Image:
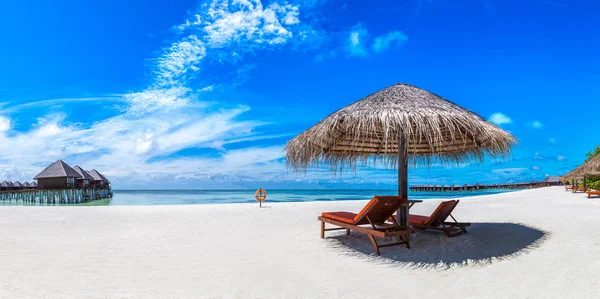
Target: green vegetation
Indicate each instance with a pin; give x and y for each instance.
(593, 153)
(593, 181)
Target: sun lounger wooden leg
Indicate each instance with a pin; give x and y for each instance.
(322, 229)
(347, 232)
(374, 242)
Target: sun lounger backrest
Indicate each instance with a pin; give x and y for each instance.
(379, 209)
(442, 212)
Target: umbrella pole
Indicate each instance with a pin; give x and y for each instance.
(584, 181)
(403, 177)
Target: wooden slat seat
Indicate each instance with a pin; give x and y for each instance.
(345, 217)
(437, 220)
(371, 220)
(418, 219)
(592, 193)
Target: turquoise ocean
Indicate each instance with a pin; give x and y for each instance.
(189, 197)
(192, 197)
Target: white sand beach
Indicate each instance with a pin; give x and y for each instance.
(541, 243)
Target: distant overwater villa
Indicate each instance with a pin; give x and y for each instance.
(58, 183)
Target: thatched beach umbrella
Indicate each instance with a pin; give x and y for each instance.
(591, 167)
(393, 124)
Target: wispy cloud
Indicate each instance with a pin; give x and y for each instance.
(536, 125)
(356, 41)
(499, 119)
(6, 108)
(4, 124)
(168, 116)
(384, 42)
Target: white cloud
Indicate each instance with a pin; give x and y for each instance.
(560, 158)
(168, 116)
(384, 42)
(4, 124)
(534, 167)
(538, 156)
(181, 58)
(248, 21)
(355, 43)
(552, 140)
(537, 125)
(499, 119)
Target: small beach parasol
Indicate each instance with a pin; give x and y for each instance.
(393, 125)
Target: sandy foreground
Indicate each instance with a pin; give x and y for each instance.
(542, 243)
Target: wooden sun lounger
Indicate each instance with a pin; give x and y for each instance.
(577, 189)
(371, 220)
(437, 220)
(567, 188)
(592, 193)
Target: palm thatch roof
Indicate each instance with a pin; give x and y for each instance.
(97, 176)
(591, 167)
(18, 184)
(370, 128)
(27, 184)
(6, 184)
(58, 169)
(84, 175)
(551, 179)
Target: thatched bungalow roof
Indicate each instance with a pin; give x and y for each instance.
(6, 184)
(18, 184)
(97, 176)
(551, 179)
(83, 173)
(58, 169)
(591, 167)
(27, 184)
(34, 184)
(434, 127)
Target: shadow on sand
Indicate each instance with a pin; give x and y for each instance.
(484, 244)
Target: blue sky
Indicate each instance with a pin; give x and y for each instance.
(205, 94)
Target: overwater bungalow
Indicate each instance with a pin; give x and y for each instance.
(27, 185)
(85, 179)
(7, 185)
(18, 186)
(98, 179)
(57, 175)
(551, 181)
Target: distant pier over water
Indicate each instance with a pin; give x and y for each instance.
(549, 181)
(58, 183)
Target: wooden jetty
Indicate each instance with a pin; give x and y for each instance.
(58, 183)
(550, 181)
(54, 196)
